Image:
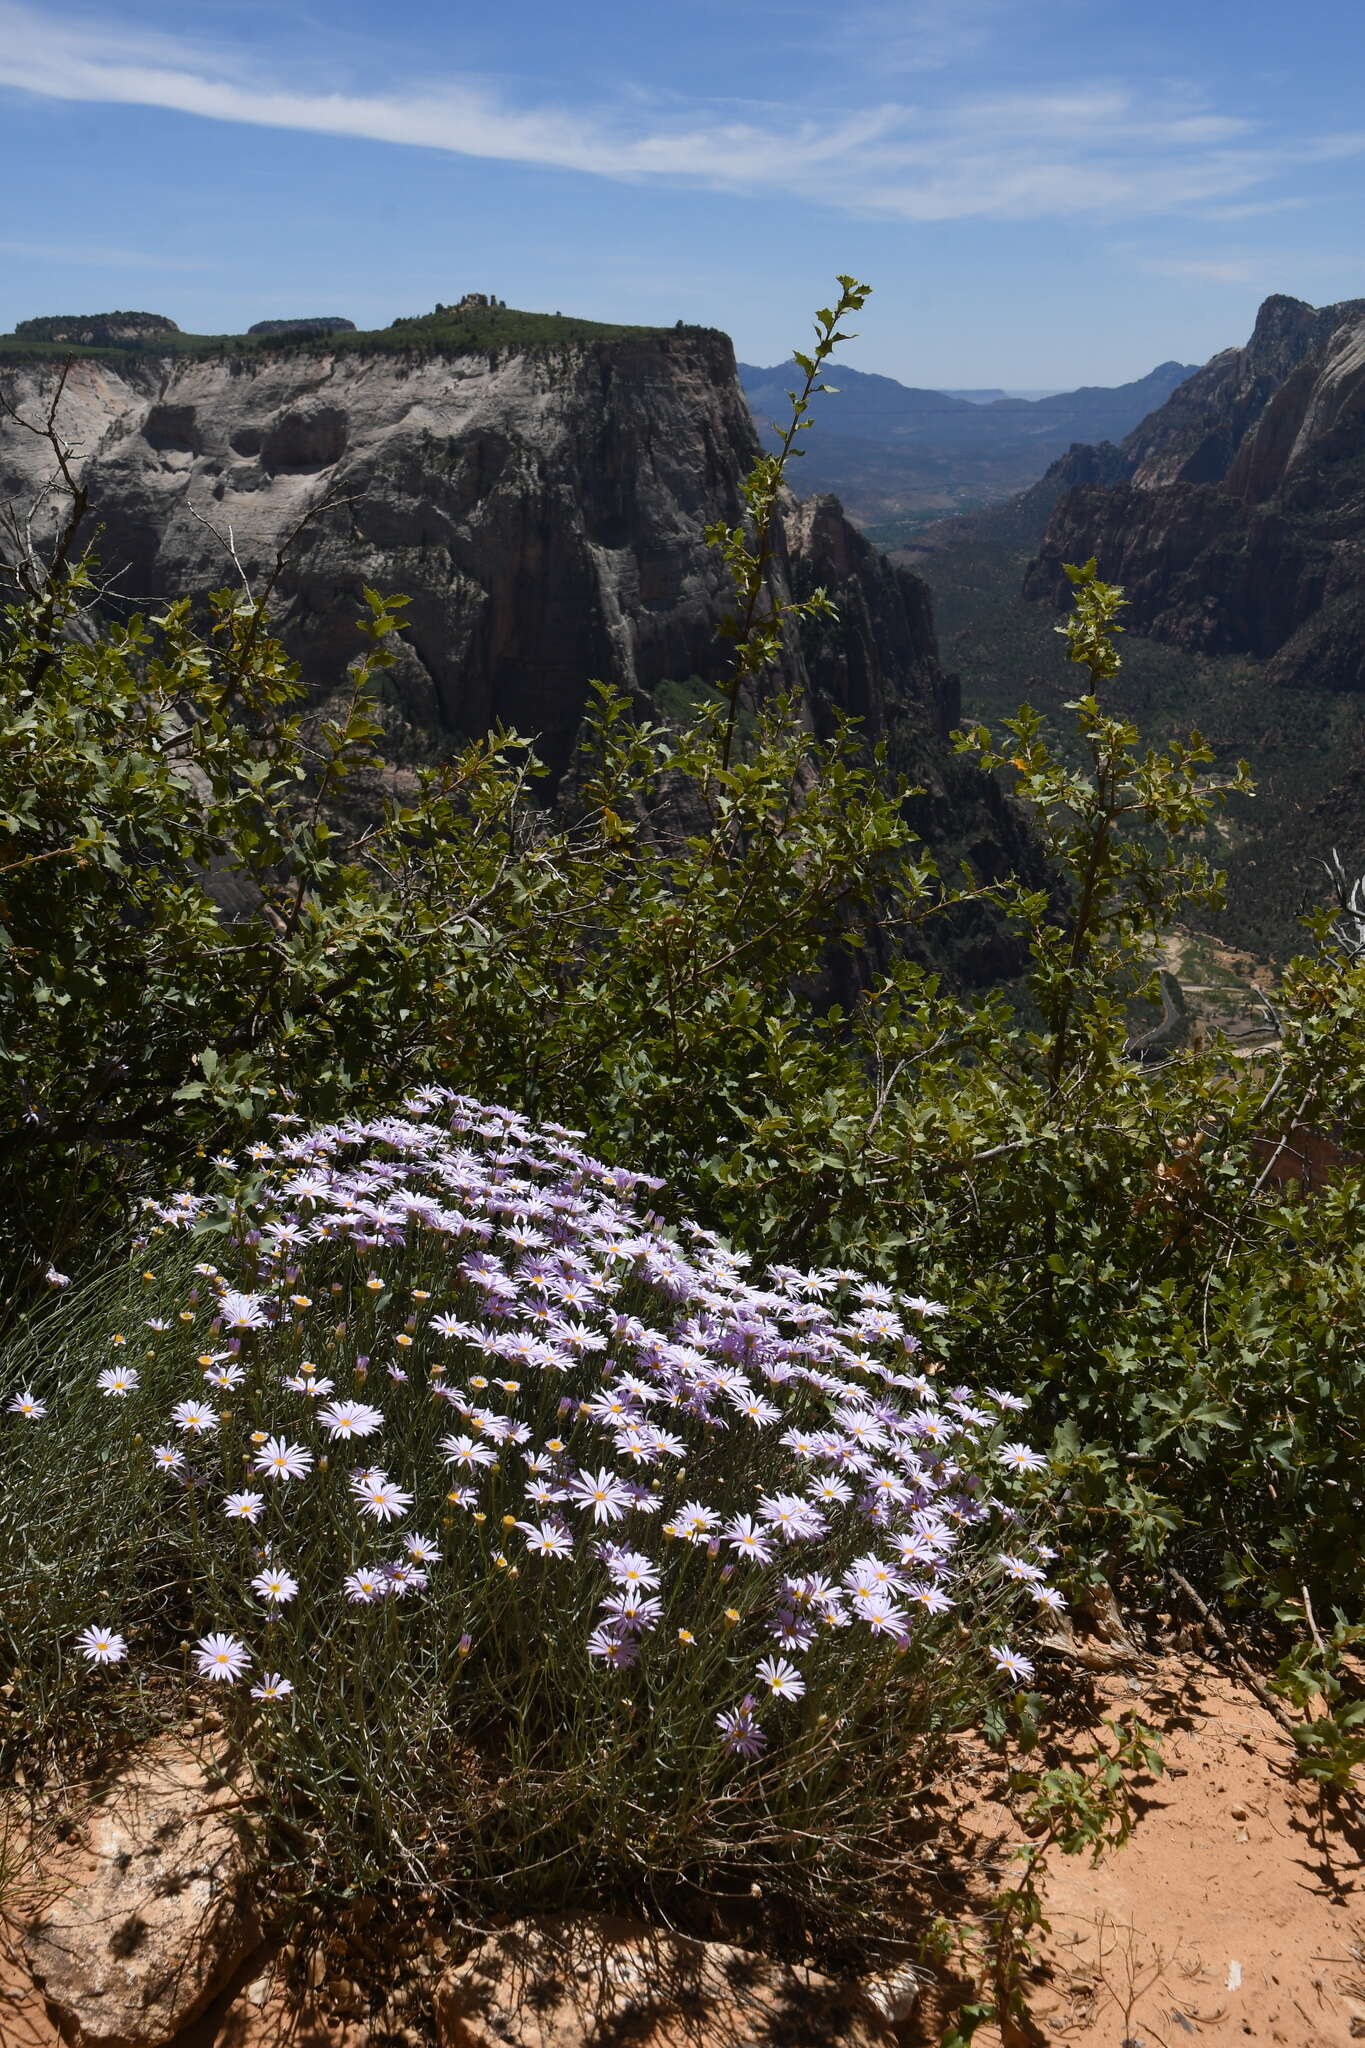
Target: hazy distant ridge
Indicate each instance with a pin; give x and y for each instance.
(897, 451)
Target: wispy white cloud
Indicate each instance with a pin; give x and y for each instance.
(905, 36)
(1095, 150)
(96, 63)
(1330, 149)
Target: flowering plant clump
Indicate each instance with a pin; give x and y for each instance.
(465, 1451)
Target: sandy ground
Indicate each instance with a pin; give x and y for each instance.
(1235, 1913)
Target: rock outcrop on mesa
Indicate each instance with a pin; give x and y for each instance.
(1234, 515)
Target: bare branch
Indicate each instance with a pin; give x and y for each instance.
(64, 455)
(226, 540)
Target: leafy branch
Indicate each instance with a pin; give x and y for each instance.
(747, 549)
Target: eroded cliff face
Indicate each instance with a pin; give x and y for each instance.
(1234, 515)
(542, 511)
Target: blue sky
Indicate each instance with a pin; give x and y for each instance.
(1041, 196)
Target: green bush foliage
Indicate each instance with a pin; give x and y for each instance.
(612, 964)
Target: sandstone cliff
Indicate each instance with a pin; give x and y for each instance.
(1234, 515)
(542, 509)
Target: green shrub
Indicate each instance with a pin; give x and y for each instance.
(607, 958)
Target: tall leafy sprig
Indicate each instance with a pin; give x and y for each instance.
(1124, 828)
(747, 549)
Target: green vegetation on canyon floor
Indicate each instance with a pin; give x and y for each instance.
(1301, 744)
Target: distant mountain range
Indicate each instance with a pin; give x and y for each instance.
(990, 393)
(898, 456)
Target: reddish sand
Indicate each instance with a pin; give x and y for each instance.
(1235, 1913)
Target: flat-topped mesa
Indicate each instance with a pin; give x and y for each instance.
(323, 323)
(479, 322)
(1234, 515)
(95, 330)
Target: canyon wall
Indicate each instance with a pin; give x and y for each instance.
(542, 510)
(1234, 515)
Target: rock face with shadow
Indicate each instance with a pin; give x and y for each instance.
(543, 511)
(595, 1982)
(1234, 515)
(130, 1923)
